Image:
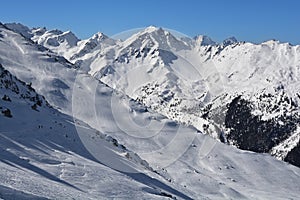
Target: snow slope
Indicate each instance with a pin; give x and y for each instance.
(43, 155)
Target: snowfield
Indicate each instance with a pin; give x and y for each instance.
(110, 119)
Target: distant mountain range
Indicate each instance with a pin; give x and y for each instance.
(241, 93)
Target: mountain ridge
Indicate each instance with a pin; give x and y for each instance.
(162, 54)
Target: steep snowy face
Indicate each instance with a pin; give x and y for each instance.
(86, 48)
(55, 40)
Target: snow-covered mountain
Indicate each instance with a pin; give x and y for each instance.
(199, 82)
(115, 146)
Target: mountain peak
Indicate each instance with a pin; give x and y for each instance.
(56, 37)
(39, 30)
(155, 30)
(155, 36)
(204, 40)
(151, 28)
(229, 41)
(99, 36)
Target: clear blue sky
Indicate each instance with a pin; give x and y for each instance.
(251, 20)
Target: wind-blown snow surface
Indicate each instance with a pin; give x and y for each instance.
(81, 162)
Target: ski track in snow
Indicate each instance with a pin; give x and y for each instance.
(15, 43)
